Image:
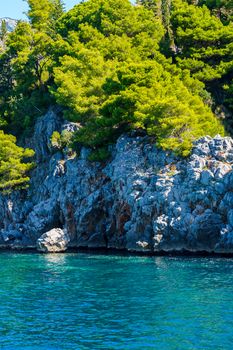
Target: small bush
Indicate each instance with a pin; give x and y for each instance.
(61, 141)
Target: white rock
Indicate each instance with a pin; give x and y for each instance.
(53, 241)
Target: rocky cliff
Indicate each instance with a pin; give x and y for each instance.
(142, 199)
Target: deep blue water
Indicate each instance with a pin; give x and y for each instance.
(81, 301)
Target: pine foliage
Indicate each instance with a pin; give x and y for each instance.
(161, 66)
(13, 168)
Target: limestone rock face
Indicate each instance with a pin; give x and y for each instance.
(54, 241)
(142, 199)
(44, 128)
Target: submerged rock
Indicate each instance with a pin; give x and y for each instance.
(142, 199)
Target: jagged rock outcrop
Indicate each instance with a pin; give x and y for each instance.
(142, 199)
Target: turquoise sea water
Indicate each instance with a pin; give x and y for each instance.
(81, 301)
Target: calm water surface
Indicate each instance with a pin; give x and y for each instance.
(81, 301)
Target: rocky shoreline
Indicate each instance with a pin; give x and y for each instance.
(117, 252)
(142, 200)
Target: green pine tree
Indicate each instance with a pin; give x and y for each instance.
(3, 30)
(44, 13)
(13, 169)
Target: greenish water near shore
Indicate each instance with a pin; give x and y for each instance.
(83, 301)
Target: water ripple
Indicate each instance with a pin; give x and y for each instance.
(81, 302)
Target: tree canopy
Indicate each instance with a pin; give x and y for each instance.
(113, 78)
(162, 66)
(13, 169)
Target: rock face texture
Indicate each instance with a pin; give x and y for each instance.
(142, 199)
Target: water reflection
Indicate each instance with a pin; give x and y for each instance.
(55, 259)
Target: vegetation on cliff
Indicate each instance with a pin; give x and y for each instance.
(162, 66)
(13, 169)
